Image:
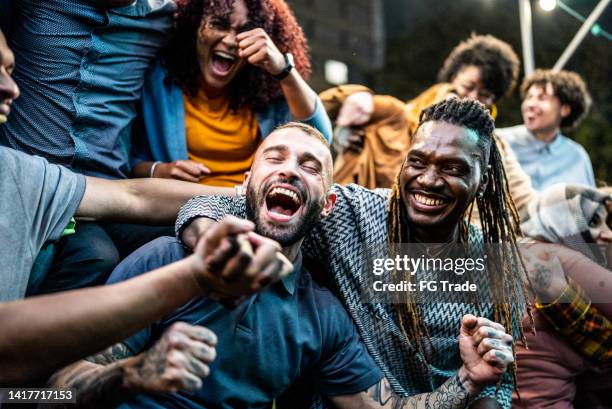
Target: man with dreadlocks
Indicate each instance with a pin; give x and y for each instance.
(452, 161)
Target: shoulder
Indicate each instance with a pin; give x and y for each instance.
(574, 146)
(513, 134)
(357, 192)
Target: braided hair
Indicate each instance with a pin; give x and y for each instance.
(499, 218)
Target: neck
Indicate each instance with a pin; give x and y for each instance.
(292, 251)
(436, 235)
(546, 136)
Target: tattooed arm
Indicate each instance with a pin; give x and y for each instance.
(486, 351)
(454, 393)
(176, 362)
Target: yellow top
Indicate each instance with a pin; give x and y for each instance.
(222, 140)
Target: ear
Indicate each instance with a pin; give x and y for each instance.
(245, 180)
(330, 202)
(565, 110)
(484, 181)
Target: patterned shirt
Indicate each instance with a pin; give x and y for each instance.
(341, 241)
(581, 324)
(80, 69)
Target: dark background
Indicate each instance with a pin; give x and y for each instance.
(418, 35)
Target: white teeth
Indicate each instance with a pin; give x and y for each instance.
(427, 200)
(225, 55)
(286, 192)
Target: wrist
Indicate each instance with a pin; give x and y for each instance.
(466, 381)
(130, 375)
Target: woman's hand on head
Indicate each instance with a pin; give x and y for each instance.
(258, 49)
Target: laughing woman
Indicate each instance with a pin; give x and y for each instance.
(233, 70)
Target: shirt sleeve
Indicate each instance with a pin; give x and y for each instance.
(49, 194)
(211, 207)
(581, 324)
(346, 366)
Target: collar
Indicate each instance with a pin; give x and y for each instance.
(289, 282)
(553, 144)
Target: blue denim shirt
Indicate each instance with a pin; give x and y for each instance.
(559, 161)
(80, 69)
(161, 132)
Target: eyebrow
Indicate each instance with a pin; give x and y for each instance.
(310, 157)
(455, 160)
(276, 148)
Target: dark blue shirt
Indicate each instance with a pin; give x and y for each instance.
(80, 69)
(293, 328)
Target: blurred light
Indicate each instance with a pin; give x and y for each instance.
(336, 72)
(596, 30)
(548, 5)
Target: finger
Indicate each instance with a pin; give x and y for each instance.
(197, 332)
(498, 358)
(202, 352)
(488, 344)
(237, 265)
(259, 57)
(179, 174)
(256, 32)
(258, 240)
(182, 379)
(217, 261)
(264, 256)
(269, 275)
(468, 323)
(193, 168)
(249, 41)
(489, 332)
(229, 225)
(482, 321)
(205, 170)
(197, 367)
(252, 48)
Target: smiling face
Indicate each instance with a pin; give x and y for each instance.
(468, 84)
(441, 176)
(600, 224)
(287, 188)
(217, 48)
(542, 111)
(8, 89)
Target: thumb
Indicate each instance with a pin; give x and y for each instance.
(468, 323)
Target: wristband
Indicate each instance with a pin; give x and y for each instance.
(153, 168)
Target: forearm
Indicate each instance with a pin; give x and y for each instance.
(299, 96)
(95, 385)
(79, 323)
(455, 393)
(148, 201)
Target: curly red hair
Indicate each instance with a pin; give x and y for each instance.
(252, 87)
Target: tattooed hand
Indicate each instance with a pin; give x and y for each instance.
(178, 361)
(232, 262)
(486, 352)
(544, 270)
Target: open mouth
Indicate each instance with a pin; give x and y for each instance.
(428, 202)
(222, 62)
(283, 203)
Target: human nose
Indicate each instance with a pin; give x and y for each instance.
(605, 234)
(429, 178)
(8, 88)
(229, 40)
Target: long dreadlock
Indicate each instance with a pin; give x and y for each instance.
(499, 219)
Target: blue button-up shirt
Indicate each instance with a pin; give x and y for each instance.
(80, 69)
(292, 328)
(559, 161)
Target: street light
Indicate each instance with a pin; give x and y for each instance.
(548, 5)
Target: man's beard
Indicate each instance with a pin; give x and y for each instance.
(285, 235)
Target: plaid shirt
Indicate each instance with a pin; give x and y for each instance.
(573, 316)
(339, 242)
